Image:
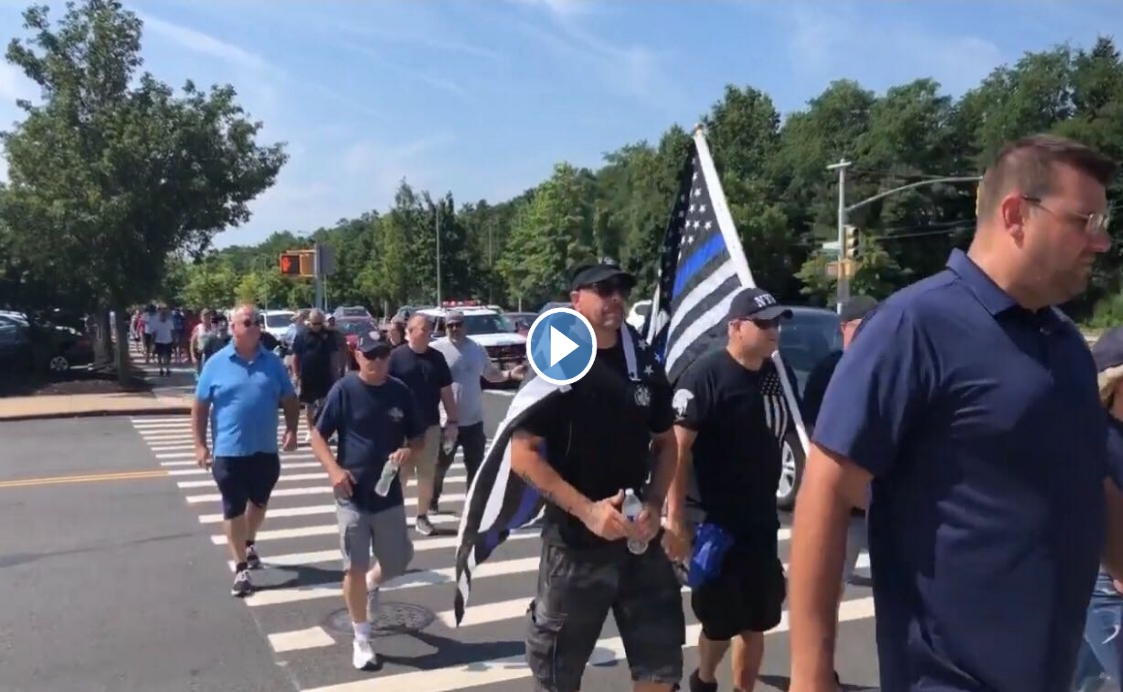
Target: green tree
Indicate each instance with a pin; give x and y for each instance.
(113, 171)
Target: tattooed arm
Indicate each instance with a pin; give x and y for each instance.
(602, 518)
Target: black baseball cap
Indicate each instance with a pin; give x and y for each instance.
(857, 308)
(756, 304)
(585, 275)
(372, 345)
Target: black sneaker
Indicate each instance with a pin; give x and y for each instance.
(423, 526)
(242, 585)
(696, 684)
(253, 561)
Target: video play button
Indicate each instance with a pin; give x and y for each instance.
(561, 346)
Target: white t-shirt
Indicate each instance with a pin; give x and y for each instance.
(161, 329)
(467, 363)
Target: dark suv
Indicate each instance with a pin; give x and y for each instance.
(807, 338)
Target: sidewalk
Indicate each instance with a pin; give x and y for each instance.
(87, 405)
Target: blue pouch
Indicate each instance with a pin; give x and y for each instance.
(711, 542)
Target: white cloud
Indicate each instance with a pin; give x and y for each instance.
(837, 41)
(205, 44)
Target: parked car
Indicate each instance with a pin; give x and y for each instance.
(277, 322)
(346, 311)
(28, 344)
(351, 328)
(806, 339)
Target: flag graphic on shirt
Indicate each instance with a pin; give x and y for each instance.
(702, 267)
(777, 414)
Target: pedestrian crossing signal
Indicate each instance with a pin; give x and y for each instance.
(290, 264)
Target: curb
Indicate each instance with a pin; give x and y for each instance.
(59, 415)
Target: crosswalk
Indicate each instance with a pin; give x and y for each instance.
(298, 602)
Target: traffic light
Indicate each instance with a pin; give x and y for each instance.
(851, 239)
(307, 264)
(290, 264)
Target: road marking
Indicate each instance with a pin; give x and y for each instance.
(493, 672)
(198, 471)
(285, 456)
(321, 530)
(177, 463)
(292, 477)
(286, 492)
(319, 556)
(487, 613)
(310, 511)
(84, 478)
(311, 638)
(412, 580)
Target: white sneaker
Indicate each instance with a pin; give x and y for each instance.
(362, 655)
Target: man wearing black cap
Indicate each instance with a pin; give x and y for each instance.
(850, 317)
(731, 416)
(376, 420)
(581, 450)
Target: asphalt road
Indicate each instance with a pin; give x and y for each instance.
(123, 584)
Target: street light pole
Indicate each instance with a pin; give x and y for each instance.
(843, 283)
(437, 213)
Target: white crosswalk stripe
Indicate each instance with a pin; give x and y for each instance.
(298, 598)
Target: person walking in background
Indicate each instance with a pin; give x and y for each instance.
(163, 339)
(396, 332)
(425, 371)
(198, 339)
(238, 393)
(314, 364)
(1101, 656)
(970, 403)
(376, 419)
(469, 363)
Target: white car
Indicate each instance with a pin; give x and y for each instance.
(277, 322)
(487, 328)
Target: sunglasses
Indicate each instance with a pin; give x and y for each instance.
(249, 323)
(455, 325)
(609, 288)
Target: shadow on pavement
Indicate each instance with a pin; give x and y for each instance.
(449, 652)
(782, 682)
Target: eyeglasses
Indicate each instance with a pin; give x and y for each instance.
(1093, 223)
(249, 323)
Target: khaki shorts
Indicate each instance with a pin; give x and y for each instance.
(425, 463)
(384, 533)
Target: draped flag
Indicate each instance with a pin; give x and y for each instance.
(499, 501)
(702, 266)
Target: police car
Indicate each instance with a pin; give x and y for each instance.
(487, 327)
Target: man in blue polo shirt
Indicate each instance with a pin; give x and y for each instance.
(237, 394)
(972, 405)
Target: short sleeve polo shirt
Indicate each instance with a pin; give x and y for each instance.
(981, 424)
(243, 396)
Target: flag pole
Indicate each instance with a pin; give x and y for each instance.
(741, 265)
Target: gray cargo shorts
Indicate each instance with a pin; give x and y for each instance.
(576, 591)
(385, 533)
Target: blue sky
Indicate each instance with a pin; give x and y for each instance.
(483, 97)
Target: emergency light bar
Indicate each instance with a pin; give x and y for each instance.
(460, 304)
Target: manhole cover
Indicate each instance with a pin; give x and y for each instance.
(393, 618)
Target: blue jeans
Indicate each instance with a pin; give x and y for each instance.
(1102, 651)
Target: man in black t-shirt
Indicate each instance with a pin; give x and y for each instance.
(425, 371)
(731, 417)
(315, 361)
(581, 450)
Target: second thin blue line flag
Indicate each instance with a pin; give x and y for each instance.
(702, 266)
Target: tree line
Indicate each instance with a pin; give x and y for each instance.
(119, 185)
(774, 171)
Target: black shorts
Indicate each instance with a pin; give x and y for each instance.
(747, 595)
(162, 349)
(245, 479)
(576, 591)
(149, 339)
(313, 390)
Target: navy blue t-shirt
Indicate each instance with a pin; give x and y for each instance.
(372, 422)
(426, 374)
(982, 426)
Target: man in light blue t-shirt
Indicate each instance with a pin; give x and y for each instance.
(238, 392)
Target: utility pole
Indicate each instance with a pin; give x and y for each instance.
(437, 213)
(317, 277)
(490, 264)
(843, 284)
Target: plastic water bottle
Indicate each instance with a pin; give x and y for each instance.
(382, 488)
(632, 508)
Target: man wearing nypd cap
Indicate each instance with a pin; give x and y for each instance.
(580, 450)
(377, 422)
(731, 417)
